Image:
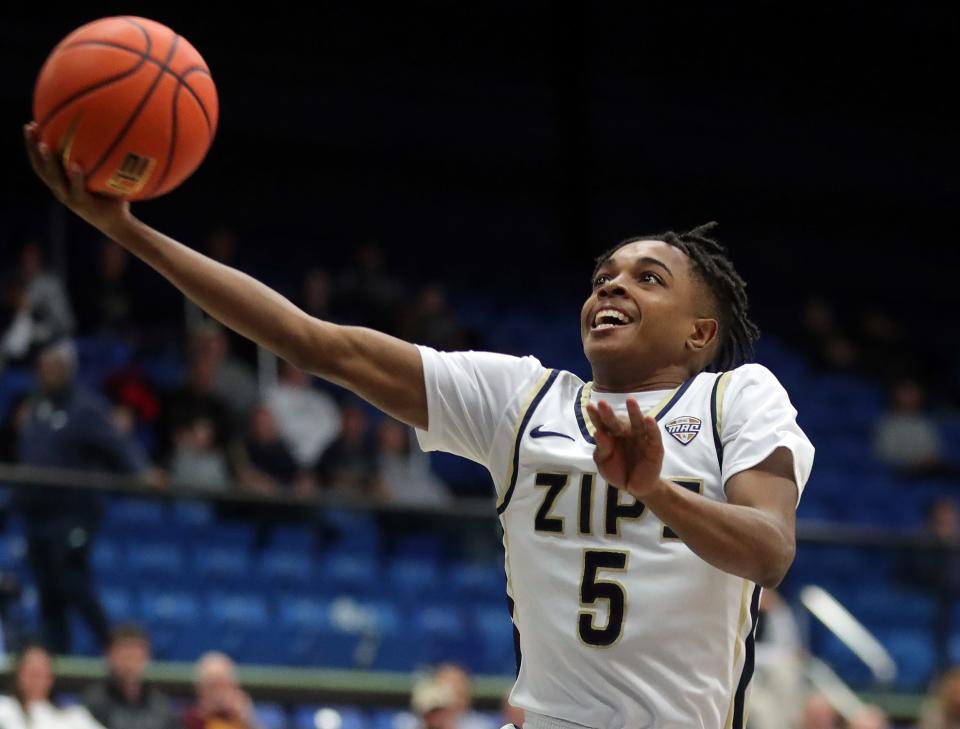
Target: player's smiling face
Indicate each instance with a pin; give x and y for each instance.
(642, 311)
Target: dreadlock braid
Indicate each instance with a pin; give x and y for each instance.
(729, 291)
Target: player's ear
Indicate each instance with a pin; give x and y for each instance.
(703, 334)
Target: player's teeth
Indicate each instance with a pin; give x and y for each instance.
(612, 314)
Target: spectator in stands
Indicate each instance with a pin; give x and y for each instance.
(404, 470)
(818, 713)
(872, 717)
(432, 321)
(41, 313)
(194, 428)
(234, 382)
(367, 294)
(942, 708)
(266, 464)
(221, 703)
(435, 704)
(29, 704)
(124, 700)
(350, 463)
(459, 681)
(67, 426)
(316, 294)
(906, 436)
(937, 570)
(776, 698)
(197, 460)
(308, 419)
(107, 298)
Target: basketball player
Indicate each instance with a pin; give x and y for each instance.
(642, 512)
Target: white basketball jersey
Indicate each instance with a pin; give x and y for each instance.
(620, 624)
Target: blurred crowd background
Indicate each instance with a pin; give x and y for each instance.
(195, 534)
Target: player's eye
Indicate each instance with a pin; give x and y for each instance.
(649, 277)
(601, 280)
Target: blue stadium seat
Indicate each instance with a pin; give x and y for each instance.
(171, 607)
(270, 716)
(423, 546)
(881, 607)
(240, 624)
(15, 383)
(192, 516)
(850, 668)
(485, 580)
(13, 553)
(392, 719)
(348, 573)
(293, 538)
(98, 357)
(228, 534)
(286, 568)
(82, 642)
(413, 580)
(220, 566)
(354, 532)
(443, 635)
(914, 655)
(118, 604)
(301, 622)
(155, 560)
(107, 557)
(494, 631)
(142, 517)
(173, 619)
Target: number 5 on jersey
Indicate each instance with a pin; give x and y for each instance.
(593, 589)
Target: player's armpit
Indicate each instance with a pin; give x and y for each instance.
(385, 371)
(769, 487)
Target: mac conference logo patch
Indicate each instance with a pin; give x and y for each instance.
(684, 428)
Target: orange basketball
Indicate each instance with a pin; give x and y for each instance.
(131, 102)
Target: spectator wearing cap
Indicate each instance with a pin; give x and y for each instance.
(125, 700)
(435, 704)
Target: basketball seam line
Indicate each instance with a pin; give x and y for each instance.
(173, 141)
(181, 78)
(136, 112)
(94, 87)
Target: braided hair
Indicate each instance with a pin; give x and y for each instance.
(737, 332)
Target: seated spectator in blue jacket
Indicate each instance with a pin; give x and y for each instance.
(68, 426)
(266, 464)
(124, 700)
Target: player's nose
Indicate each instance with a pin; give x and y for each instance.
(611, 288)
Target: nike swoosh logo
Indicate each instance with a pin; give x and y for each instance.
(537, 433)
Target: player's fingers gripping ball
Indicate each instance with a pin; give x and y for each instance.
(129, 101)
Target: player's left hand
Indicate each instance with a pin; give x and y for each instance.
(629, 452)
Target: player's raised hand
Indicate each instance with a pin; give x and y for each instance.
(69, 185)
(629, 452)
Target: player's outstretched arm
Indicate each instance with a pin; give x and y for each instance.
(384, 370)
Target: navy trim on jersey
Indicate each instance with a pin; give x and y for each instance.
(713, 417)
(517, 654)
(578, 411)
(747, 674)
(520, 433)
(673, 400)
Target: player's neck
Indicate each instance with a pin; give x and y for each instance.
(607, 379)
